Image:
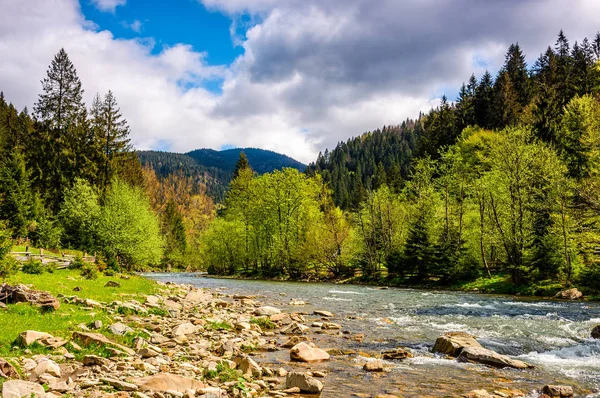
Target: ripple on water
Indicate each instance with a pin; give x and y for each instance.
(344, 292)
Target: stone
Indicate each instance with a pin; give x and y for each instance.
(88, 339)
(478, 394)
(330, 326)
(569, 294)
(295, 328)
(397, 353)
(373, 366)
(267, 311)
(452, 343)
(248, 366)
(198, 296)
(294, 340)
(120, 329)
(304, 382)
(3, 306)
(7, 370)
(243, 326)
(97, 325)
(46, 366)
(184, 329)
(152, 301)
(147, 353)
(326, 314)
(20, 388)
(596, 332)
(558, 391)
(491, 358)
(120, 384)
(297, 302)
(29, 337)
(94, 360)
(305, 353)
(166, 382)
(23, 294)
(112, 284)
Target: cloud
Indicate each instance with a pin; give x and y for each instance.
(108, 5)
(136, 25)
(312, 73)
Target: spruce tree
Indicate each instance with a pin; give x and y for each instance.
(516, 67)
(241, 164)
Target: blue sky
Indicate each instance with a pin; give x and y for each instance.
(170, 23)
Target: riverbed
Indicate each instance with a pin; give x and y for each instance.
(552, 335)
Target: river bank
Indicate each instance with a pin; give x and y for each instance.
(185, 340)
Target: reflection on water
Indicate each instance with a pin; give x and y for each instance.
(554, 336)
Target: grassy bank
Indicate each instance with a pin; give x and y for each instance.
(63, 322)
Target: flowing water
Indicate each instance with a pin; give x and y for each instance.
(554, 336)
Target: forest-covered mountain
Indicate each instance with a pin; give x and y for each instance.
(215, 168)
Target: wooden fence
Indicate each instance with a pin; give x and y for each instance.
(63, 260)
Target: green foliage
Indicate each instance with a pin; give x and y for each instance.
(8, 267)
(222, 372)
(220, 326)
(77, 263)
(128, 230)
(15, 195)
(79, 215)
(89, 271)
(33, 267)
(264, 323)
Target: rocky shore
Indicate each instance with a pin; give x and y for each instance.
(190, 342)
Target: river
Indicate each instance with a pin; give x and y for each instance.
(552, 335)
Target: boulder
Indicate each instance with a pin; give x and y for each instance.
(248, 366)
(29, 337)
(558, 391)
(452, 343)
(20, 388)
(491, 358)
(167, 382)
(569, 294)
(373, 366)
(596, 332)
(120, 329)
(88, 339)
(152, 301)
(23, 294)
(120, 384)
(198, 296)
(112, 284)
(295, 328)
(326, 314)
(46, 366)
(294, 340)
(297, 302)
(93, 360)
(304, 382)
(267, 311)
(184, 329)
(305, 353)
(331, 326)
(7, 370)
(397, 353)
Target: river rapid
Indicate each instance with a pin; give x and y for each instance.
(552, 335)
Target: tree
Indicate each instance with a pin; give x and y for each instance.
(61, 114)
(112, 135)
(241, 164)
(516, 68)
(79, 216)
(15, 195)
(128, 230)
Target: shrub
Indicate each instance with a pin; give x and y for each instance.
(8, 267)
(264, 323)
(77, 263)
(33, 267)
(89, 271)
(109, 272)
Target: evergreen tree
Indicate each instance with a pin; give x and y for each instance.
(483, 100)
(15, 195)
(516, 67)
(241, 164)
(505, 102)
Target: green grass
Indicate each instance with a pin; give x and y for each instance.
(264, 323)
(220, 326)
(223, 372)
(22, 316)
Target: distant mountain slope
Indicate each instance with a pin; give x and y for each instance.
(215, 168)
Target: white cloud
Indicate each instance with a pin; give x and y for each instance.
(108, 5)
(313, 73)
(136, 25)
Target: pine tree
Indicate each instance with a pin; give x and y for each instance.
(516, 67)
(505, 102)
(112, 135)
(483, 100)
(241, 164)
(15, 195)
(60, 111)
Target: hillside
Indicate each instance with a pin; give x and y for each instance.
(215, 168)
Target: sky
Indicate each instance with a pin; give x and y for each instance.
(293, 76)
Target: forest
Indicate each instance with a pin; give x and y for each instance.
(502, 184)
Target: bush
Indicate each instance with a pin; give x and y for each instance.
(264, 323)
(77, 263)
(8, 267)
(89, 271)
(33, 267)
(109, 272)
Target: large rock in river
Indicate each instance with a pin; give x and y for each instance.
(569, 294)
(558, 391)
(452, 343)
(305, 353)
(596, 332)
(304, 382)
(491, 358)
